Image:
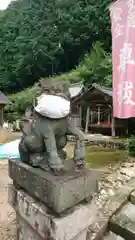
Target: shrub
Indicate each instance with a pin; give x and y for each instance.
(131, 146)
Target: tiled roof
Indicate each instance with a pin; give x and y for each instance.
(103, 89)
(87, 91)
(75, 89)
(3, 99)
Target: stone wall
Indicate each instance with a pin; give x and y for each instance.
(106, 143)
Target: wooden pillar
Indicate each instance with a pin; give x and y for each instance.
(75, 121)
(98, 115)
(127, 130)
(113, 127)
(109, 116)
(80, 120)
(87, 119)
(1, 117)
(34, 102)
(91, 116)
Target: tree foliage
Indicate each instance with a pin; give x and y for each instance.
(95, 67)
(131, 146)
(42, 38)
(59, 38)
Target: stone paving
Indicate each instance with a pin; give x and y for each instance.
(123, 223)
(115, 199)
(7, 215)
(115, 191)
(112, 236)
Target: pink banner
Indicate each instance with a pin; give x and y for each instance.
(123, 54)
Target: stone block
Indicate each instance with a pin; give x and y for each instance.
(131, 183)
(128, 171)
(115, 202)
(98, 228)
(25, 232)
(84, 219)
(12, 195)
(72, 226)
(123, 223)
(132, 198)
(81, 236)
(57, 192)
(112, 236)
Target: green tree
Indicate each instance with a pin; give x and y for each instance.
(41, 38)
(95, 67)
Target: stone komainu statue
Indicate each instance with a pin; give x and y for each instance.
(44, 138)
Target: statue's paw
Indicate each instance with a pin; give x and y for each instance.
(45, 167)
(59, 172)
(79, 164)
(35, 159)
(62, 155)
(88, 199)
(81, 136)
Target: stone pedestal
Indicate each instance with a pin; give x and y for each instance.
(59, 193)
(50, 207)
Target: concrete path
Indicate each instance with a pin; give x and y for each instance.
(7, 216)
(107, 203)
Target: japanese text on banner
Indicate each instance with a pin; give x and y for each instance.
(123, 52)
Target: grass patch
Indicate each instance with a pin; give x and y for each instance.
(103, 158)
(96, 157)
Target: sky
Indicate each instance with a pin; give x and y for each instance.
(4, 4)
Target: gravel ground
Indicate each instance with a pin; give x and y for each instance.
(116, 177)
(7, 215)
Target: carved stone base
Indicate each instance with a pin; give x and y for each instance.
(36, 223)
(59, 193)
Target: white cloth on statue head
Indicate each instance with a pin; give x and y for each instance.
(52, 106)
